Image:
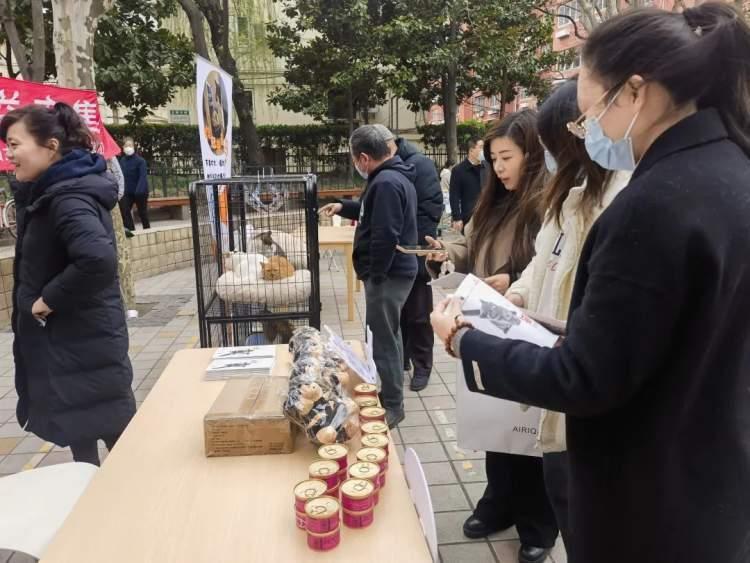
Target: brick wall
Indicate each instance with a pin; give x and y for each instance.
(157, 251)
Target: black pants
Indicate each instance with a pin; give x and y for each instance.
(384, 302)
(416, 330)
(516, 494)
(88, 452)
(126, 205)
(556, 479)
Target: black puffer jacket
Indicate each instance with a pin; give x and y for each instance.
(427, 185)
(73, 376)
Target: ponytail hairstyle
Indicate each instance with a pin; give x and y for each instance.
(496, 205)
(574, 166)
(60, 122)
(701, 55)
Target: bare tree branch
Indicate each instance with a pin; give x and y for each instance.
(39, 41)
(572, 20)
(196, 19)
(11, 32)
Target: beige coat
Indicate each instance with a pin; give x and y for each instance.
(551, 436)
(498, 250)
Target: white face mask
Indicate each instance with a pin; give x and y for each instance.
(130, 151)
(360, 172)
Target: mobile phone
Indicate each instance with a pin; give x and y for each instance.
(417, 250)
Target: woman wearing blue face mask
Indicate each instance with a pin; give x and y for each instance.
(654, 372)
(574, 198)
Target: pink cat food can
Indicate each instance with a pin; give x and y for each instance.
(322, 515)
(357, 495)
(337, 453)
(358, 519)
(306, 490)
(376, 441)
(366, 390)
(376, 427)
(366, 401)
(324, 542)
(369, 471)
(372, 414)
(326, 470)
(377, 456)
(300, 519)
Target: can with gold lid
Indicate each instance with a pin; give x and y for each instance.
(369, 471)
(375, 455)
(357, 495)
(322, 514)
(376, 427)
(305, 490)
(358, 519)
(365, 401)
(325, 470)
(366, 390)
(376, 441)
(372, 414)
(335, 452)
(324, 542)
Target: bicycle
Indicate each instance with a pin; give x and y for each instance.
(8, 215)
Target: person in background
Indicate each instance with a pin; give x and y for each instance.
(135, 170)
(654, 371)
(445, 184)
(576, 195)
(466, 184)
(386, 216)
(416, 332)
(73, 375)
(497, 245)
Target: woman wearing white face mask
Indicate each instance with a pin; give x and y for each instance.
(654, 372)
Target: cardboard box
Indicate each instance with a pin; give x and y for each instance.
(247, 418)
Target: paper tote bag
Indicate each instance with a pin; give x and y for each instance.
(489, 424)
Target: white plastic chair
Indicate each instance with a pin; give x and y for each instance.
(420, 496)
(35, 503)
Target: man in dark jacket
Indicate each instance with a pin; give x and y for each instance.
(466, 184)
(415, 317)
(135, 171)
(387, 216)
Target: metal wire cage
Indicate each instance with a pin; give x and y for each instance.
(255, 240)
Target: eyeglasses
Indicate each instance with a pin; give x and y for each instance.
(577, 128)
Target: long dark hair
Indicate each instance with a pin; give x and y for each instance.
(701, 55)
(496, 205)
(573, 162)
(60, 122)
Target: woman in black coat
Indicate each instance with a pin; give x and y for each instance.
(654, 373)
(73, 375)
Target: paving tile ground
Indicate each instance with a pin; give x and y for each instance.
(168, 323)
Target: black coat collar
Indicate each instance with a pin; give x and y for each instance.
(701, 128)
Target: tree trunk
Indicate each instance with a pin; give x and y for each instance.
(74, 28)
(196, 19)
(12, 73)
(74, 23)
(450, 109)
(39, 44)
(217, 17)
(14, 40)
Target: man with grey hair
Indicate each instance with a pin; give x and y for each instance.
(387, 216)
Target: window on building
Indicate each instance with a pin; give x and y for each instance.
(566, 11)
(242, 27)
(479, 104)
(572, 64)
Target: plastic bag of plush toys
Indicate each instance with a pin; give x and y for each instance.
(317, 401)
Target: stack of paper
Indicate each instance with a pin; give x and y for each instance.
(242, 361)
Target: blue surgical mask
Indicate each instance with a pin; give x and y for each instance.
(550, 162)
(609, 154)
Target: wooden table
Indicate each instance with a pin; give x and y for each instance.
(158, 499)
(342, 238)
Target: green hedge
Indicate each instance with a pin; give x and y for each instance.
(434, 135)
(165, 141)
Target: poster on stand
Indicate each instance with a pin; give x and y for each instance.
(214, 110)
(15, 94)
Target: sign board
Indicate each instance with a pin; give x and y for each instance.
(179, 116)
